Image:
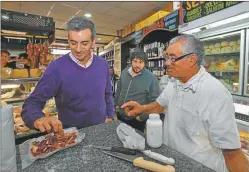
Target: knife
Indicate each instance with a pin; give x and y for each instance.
(141, 163)
(118, 149)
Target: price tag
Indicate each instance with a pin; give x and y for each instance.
(19, 65)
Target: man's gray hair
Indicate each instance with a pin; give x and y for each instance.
(81, 23)
(140, 54)
(191, 44)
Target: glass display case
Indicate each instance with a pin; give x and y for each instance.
(15, 91)
(224, 59)
(246, 78)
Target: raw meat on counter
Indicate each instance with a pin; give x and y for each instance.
(53, 142)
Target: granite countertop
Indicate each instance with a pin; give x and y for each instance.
(84, 158)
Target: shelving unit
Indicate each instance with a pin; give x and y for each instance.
(224, 54)
(117, 58)
(108, 55)
(19, 81)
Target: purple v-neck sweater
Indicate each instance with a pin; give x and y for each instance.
(83, 96)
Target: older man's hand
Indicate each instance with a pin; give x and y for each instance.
(132, 108)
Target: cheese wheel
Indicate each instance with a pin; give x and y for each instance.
(234, 48)
(224, 43)
(238, 47)
(228, 49)
(217, 45)
(211, 46)
(232, 43)
(217, 50)
(213, 51)
(205, 46)
(223, 50)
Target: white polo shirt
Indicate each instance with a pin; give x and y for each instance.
(200, 119)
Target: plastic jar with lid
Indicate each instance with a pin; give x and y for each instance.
(154, 131)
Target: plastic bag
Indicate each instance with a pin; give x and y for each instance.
(130, 138)
(27, 158)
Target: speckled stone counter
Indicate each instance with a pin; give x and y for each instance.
(84, 158)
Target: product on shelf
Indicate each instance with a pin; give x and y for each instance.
(34, 73)
(217, 45)
(244, 135)
(6, 73)
(19, 126)
(222, 47)
(20, 73)
(8, 95)
(224, 43)
(244, 139)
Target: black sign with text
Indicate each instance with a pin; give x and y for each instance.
(193, 10)
(171, 21)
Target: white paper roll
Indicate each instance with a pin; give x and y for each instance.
(8, 148)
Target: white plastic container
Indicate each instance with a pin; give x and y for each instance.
(154, 131)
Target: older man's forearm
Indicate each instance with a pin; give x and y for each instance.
(236, 160)
(153, 108)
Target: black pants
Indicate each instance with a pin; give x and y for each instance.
(139, 125)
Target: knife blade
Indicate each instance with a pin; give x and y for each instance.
(141, 163)
(118, 149)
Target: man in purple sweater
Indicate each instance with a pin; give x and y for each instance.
(80, 83)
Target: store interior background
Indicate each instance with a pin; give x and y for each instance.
(115, 24)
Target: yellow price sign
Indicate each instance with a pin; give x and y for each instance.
(150, 20)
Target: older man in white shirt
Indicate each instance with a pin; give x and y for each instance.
(200, 122)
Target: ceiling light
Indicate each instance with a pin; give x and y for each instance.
(5, 17)
(10, 86)
(9, 37)
(88, 15)
(14, 32)
(219, 23)
(99, 39)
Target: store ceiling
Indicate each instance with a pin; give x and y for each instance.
(107, 16)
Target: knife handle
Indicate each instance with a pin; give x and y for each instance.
(152, 166)
(124, 150)
(159, 157)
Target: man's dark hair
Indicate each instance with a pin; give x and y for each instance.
(80, 23)
(24, 55)
(139, 54)
(5, 51)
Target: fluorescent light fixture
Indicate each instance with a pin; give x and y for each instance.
(60, 52)
(59, 44)
(240, 108)
(88, 15)
(10, 86)
(5, 17)
(9, 37)
(219, 23)
(14, 32)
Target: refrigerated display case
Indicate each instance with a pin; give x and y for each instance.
(246, 78)
(14, 92)
(224, 59)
